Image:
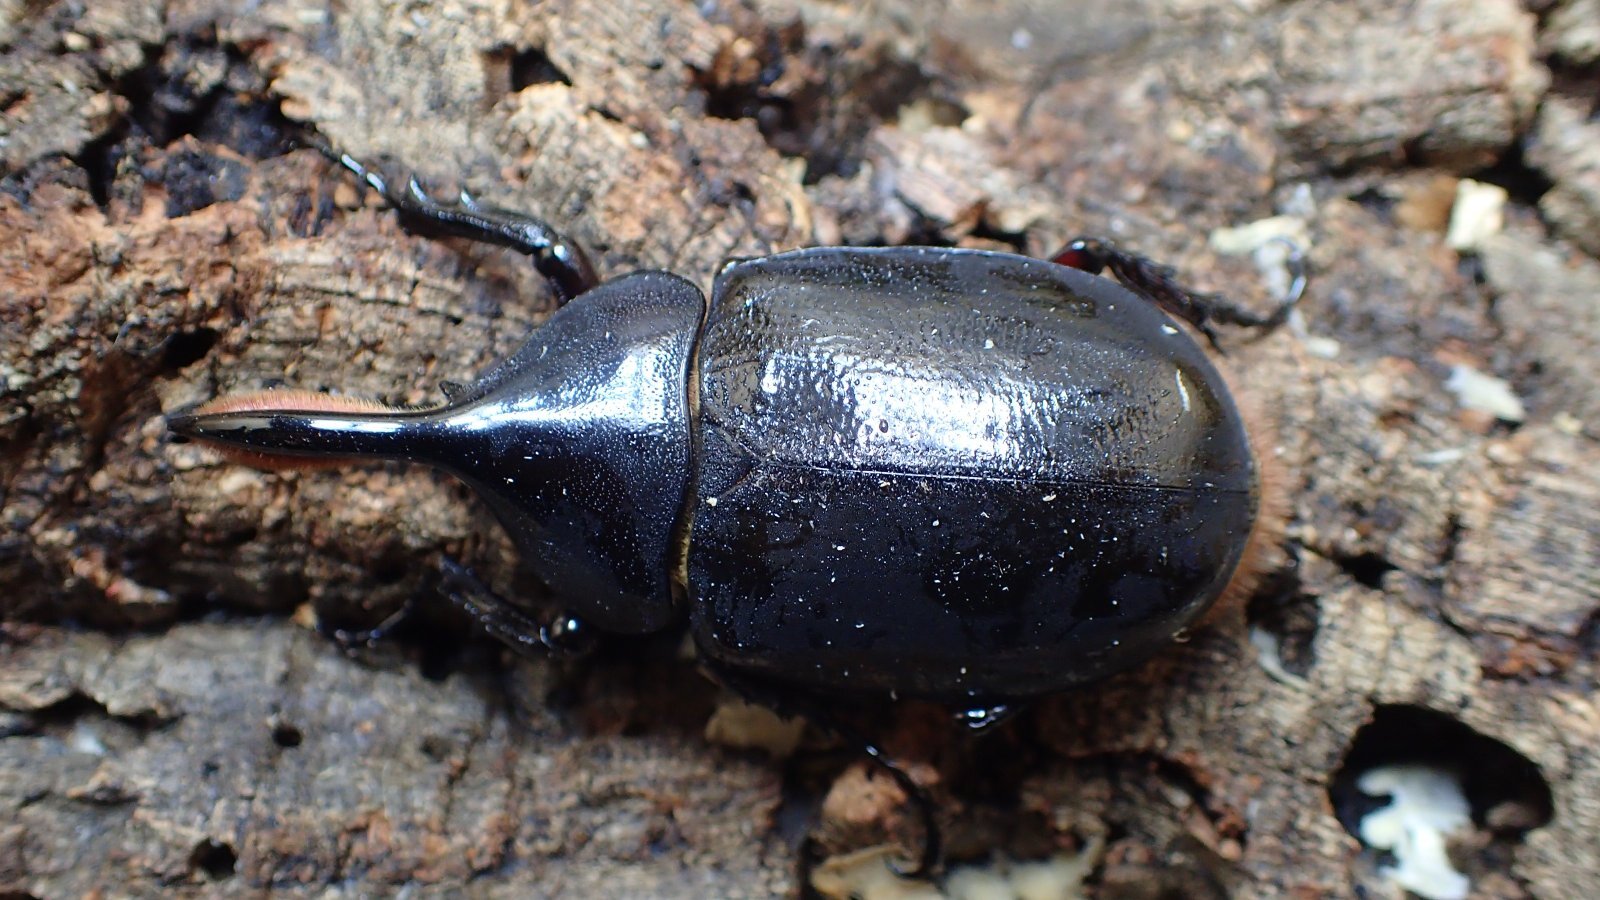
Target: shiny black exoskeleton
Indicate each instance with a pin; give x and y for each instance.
(959, 475)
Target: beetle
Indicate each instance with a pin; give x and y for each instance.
(959, 475)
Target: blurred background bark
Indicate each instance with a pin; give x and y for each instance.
(171, 723)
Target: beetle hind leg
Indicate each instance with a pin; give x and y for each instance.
(557, 257)
(1158, 284)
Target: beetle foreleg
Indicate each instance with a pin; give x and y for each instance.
(504, 621)
(350, 641)
(1158, 284)
(557, 257)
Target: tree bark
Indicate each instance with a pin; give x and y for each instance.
(171, 722)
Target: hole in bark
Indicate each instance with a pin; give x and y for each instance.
(238, 537)
(986, 230)
(286, 736)
(196, 87)
(507, 71)
(1435, 758)
(530, 66)
(1512, 172)
(202, 88)
(217, 860)
(99, 163)
(390, 569)
(436, 748)
(1366, 568)
(1380, 203)
(442, 658)
(1283, 622)
(738, 81)
(79, 708)
(813, 100)
(186, 348)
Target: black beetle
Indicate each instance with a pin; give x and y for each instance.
(958, 475)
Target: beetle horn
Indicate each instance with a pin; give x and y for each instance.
(300, 429)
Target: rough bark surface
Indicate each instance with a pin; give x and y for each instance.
(172, 724)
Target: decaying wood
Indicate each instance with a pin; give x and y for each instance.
(171, 724)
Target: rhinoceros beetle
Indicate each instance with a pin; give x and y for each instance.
(964, 476)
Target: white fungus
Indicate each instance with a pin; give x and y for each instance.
(1478, 214)
(1427, 807)
(866, 874)
(742, 725)
(1269, 654)
(1269, 242)
(1485, 393)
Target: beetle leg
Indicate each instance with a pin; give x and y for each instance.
(930, 861)
(504, 621)
(1158, 284)
(557, 257)
(791, 704)
(983, 719)
(350, 641)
